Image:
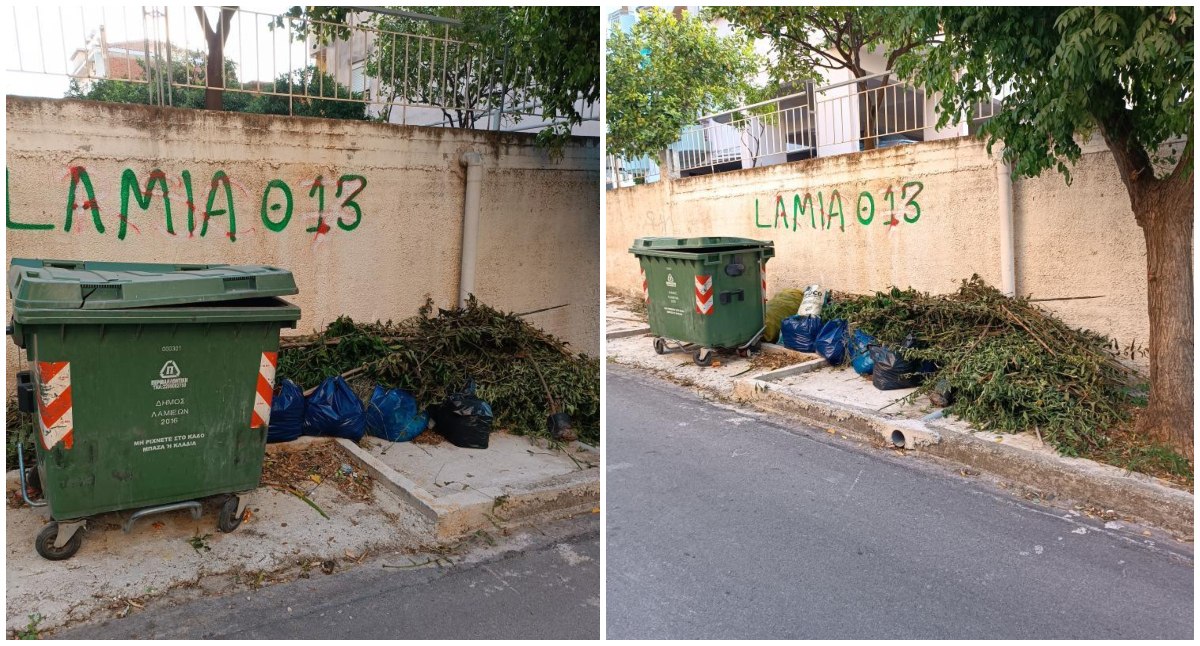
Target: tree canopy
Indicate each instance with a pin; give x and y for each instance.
(1126, 71)
(666, 72)
(543, 59)
(809, 41)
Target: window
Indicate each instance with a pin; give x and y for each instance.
(358, 78)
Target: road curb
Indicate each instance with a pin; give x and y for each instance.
(1084, 481)
(621, 334)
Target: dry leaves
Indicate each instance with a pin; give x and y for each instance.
(319, 463)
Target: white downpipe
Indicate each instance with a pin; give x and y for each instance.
(470, 237)
(1008, 265)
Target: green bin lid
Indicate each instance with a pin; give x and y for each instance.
(698, 245)
(87, 285)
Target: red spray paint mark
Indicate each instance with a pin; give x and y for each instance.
(126, 221)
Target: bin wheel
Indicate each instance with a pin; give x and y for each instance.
(756, 347)
(228, 520)
(660, 345)
(44, 544)
(32, 479)
(703, 357)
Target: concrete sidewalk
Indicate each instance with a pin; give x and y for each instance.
(421, 496)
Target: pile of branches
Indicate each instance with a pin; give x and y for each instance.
(518, 369)
(1010, 366)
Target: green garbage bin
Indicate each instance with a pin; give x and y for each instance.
(150, 385)
(705, 292)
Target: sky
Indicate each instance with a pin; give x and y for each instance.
(39, 41)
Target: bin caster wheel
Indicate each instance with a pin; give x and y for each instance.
(756, 347)
(703, 357)
(32, 479)
(660, 345)
(44, 544)
(229, 520)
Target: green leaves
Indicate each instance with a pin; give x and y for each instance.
(1064, 72)
(1011, 366)
(689, 71)
(434, 356)
(515, 57)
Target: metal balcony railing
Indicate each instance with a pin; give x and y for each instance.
(426, 78)
(864, 113)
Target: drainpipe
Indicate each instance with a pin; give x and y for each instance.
(1008, 266)
(466, 281)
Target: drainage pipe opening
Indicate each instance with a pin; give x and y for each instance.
(899, 439)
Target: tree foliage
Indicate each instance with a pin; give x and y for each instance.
(1063, 72)
(307, 85)
(666, 72)
(521, 59)
(809, 41)
(187, 69)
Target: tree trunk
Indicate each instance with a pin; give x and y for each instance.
(215, 78)
(1164, 210)
(216, 81)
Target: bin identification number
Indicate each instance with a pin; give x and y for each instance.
(172, 348)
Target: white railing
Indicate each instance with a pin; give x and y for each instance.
(425, 78)
(621, 172)
(870, 112)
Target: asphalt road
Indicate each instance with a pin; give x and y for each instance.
(722, 523)
(546, 590)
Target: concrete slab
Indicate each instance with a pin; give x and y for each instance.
(843, 384)
(113, 568)
(455, 491)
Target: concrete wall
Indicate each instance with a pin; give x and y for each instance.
(1080, 240)
(539, 229)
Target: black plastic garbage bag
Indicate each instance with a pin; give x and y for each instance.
(287, 413)
(464, 419)
(334, 410)
(394, 415)
(860, 354)
(831, 341)
(893, 371)
(799, 333)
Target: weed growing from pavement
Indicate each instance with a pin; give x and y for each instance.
(200, 543)
(31, 629)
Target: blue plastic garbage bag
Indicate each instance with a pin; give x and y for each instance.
(333, 409)
(394, 415)
(799, 333)
(287, 413)
(860, 355)
(831, 341)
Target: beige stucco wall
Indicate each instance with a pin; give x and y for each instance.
(1080, 240)
(539, 229)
